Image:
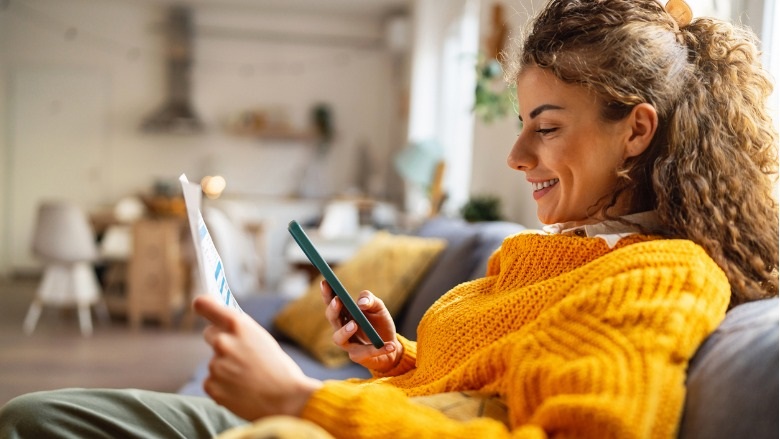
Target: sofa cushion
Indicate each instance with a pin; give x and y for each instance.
(390, 266)
(733, 378)
(453, 267)
(469, 247)
(490, 236)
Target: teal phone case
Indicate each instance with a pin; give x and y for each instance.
(314, 256)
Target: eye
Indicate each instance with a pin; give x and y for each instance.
(546, 130)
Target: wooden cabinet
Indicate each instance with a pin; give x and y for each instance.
(157, 272)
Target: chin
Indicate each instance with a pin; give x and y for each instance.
(548, 214)
(546, 219)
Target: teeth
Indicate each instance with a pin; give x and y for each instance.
(542, 185)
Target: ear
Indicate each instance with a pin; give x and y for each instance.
(643, 121)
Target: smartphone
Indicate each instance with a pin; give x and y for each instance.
(351, 307)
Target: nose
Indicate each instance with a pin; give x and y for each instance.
(520, 157)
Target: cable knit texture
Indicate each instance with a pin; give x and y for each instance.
(580, 340)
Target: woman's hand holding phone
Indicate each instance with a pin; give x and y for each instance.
(349, 337)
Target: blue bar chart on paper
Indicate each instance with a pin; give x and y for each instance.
(209, 263)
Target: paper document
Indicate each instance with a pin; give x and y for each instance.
(212, 272)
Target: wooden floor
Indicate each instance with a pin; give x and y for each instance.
(56, 355)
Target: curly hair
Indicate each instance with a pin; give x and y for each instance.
(710, 168)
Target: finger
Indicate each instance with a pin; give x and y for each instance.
(210, 333)
(213, 389)
(220, 341)
(331, 300)
(224, 368)
(217, 387)
(214, 311)
(349, 334)
(333, 312)
(362, 353)
(327, 291)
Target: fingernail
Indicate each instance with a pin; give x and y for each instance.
(350, 326)
(333, 303)
(390, 347)
(363, 301)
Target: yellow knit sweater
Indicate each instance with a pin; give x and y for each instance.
(580, 340)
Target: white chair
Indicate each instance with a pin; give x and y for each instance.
(65, 241)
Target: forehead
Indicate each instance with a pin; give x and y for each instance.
(537, 86)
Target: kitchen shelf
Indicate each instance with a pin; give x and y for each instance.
(276, 134)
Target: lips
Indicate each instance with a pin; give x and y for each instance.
(542, 188)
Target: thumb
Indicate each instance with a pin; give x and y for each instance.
(368, 302)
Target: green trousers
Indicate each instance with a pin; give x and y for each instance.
(110, 413)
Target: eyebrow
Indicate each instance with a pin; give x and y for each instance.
(540, 109)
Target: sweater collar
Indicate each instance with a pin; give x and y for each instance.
(610, 231)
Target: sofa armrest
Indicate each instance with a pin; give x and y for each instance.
(732, 380)
(263, 308)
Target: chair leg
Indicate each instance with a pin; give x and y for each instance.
(85, 319)
(32, 317)
(68, 284)
(101, 309)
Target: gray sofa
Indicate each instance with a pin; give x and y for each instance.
(732, 380)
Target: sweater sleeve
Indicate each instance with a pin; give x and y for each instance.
(406, 363)
(608, 360)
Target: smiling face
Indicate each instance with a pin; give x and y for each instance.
(568, 153)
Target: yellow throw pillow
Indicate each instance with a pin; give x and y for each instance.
(390, 266)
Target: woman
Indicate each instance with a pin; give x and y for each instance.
(649, 148)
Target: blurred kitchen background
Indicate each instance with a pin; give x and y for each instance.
(280, 108)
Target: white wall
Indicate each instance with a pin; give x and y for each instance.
(486, 172)
(492, 142)
(443, 58)
(123, 41)
(3, 137)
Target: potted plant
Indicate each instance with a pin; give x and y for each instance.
(482, 208)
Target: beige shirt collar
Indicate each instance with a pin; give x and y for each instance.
(610, 231)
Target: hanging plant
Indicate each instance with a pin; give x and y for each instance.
(493, 98)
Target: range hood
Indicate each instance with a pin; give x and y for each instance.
(177, 114)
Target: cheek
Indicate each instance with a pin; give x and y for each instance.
(585, 177)
(595, 163)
